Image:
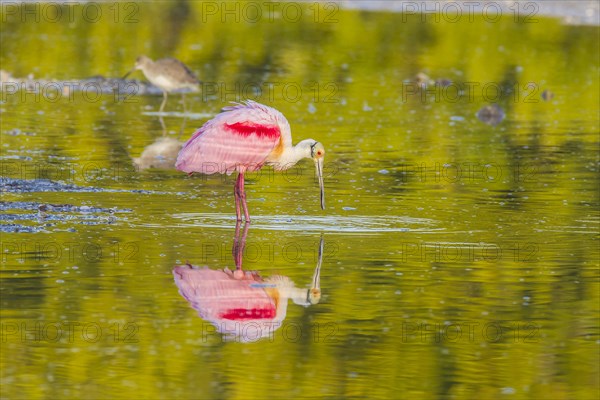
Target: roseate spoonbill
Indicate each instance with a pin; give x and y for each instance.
(243, 138)
(241, 304)
(168, 74)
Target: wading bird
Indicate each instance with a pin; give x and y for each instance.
(168, 74)
(243, 138)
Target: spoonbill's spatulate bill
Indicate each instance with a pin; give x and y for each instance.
(243, 138)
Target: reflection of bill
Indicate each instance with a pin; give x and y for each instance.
(240, 304)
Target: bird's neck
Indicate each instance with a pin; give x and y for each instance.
(290, 156)
(289, 291)
(285, 290)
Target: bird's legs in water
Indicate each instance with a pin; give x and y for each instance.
(243, 198)
(162, 124)
(238, 212)
(239, 243)
(240, 197)
(162, 106)
(184, 114)
(160, 118)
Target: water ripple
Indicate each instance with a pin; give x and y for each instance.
(356, 224)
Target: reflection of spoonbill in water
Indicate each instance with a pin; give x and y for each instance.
(241, 304)
(243, 138)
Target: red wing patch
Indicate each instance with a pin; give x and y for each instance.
(241, 314)
(248, 128)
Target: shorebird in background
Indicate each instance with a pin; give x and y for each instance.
(243, 138)
(240, 304)
(168, 74)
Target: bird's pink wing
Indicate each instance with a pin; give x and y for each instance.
(218, 296)
(239, 139)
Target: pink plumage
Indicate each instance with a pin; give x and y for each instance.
(241, 308)
(218, 296)
(243, 138)
(238, 139)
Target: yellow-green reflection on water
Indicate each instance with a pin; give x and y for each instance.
(461, 259)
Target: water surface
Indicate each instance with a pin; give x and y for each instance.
(460, 259)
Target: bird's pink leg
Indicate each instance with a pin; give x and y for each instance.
(243, 197)
(236, 193)
(245, 235)
(235, 251)
(239, 244)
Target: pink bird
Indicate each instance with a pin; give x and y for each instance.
(244, 138)
(241, 304)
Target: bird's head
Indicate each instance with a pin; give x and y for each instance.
(316, 151)
(140, 63)
(314, 296)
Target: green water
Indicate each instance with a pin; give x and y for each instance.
(461, 259)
